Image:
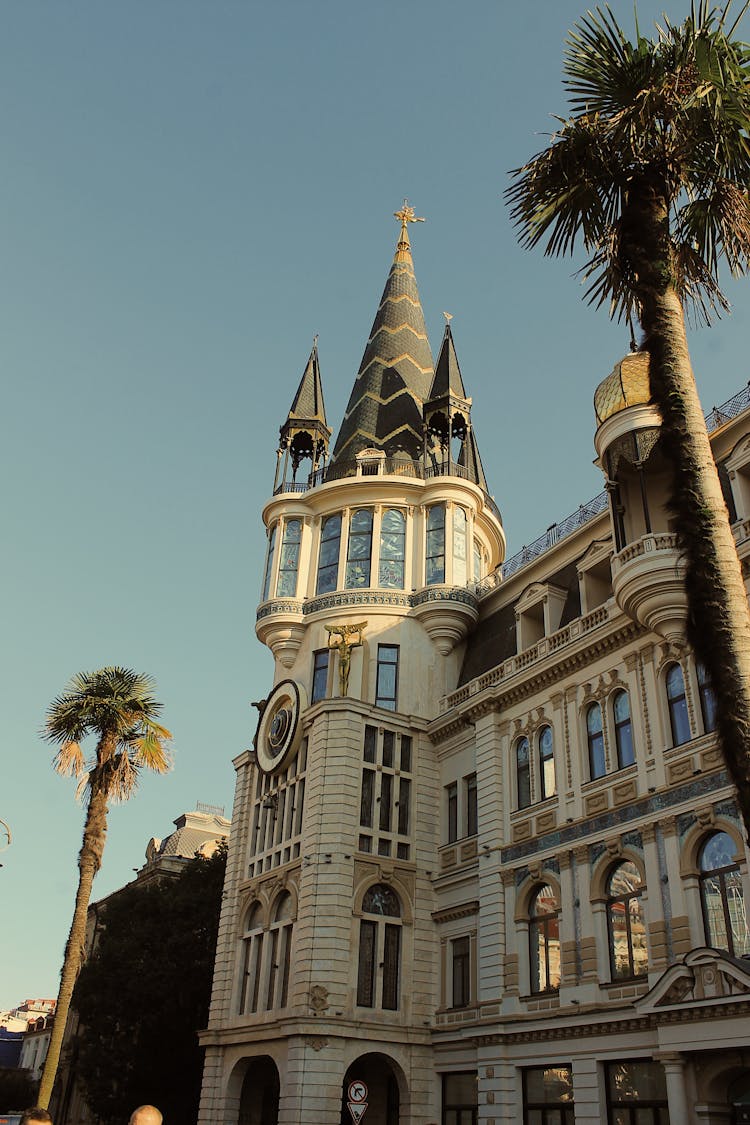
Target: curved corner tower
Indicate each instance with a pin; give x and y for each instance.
(327, 970)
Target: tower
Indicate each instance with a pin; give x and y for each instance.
(327, 969)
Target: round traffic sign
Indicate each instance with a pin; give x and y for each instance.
(357, 1092)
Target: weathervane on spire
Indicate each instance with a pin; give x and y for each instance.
(406, 215)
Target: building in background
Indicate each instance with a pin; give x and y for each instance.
(486, 863)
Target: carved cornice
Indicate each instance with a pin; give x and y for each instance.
(452, 913)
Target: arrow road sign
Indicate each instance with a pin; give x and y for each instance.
(357, 1092)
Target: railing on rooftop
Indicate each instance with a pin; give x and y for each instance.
(715, 418)
(385, 466)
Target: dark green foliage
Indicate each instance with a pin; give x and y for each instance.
(17, 1090)
(145, 993)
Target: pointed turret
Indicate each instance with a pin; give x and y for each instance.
(447, 414)
(385, 407)
(305, 432)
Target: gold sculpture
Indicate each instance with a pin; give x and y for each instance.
(344, 645)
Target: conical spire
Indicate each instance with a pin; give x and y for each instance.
(308, 403)
(447, 381)
(385, 406)
(470, 460)
(305, 433)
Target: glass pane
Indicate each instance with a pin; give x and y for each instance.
(361, 520)
(406, 753)
(381, 900)
(388, 741)
(368, 793)
(320, 676)
(717, 852)
(624, 879)
(393, 521)
(460, 1089)
(386, 801)
(391, 954)
(386, 681)
(736, 908)
(371, 737)
(404, 797)
(594, 719)
(366, 972)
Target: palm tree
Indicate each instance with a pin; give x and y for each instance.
(651, 171)
(117, 706)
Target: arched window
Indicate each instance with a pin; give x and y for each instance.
(286, 587)
(460, 548)
(252, 960)
(708, 699)
(280, 945)
(435, 546)
(360, 549)
(677, 703)
(546, 764)
(523, 773)
(723, 903)
(392, 549)
(595, 737)
(379, 949)
(623, 729)
(270, 556)
(328, 559)
(627, 929)
(544, 941)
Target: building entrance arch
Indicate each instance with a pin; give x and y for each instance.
(383, 1095)
(259, 1100)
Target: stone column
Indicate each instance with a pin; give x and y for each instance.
(679, 1109)
(489, 732)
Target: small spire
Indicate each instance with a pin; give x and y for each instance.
(405, 215)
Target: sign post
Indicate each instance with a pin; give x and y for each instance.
(357, 1100)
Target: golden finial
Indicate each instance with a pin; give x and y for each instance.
(405, 215)
(448, 317)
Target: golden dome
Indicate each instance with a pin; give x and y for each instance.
(627, 385)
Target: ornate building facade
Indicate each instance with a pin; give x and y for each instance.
(486, 864)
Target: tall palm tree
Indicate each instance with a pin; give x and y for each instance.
(118, 708)
(650, 172)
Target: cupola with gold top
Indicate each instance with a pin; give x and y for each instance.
(647, 569)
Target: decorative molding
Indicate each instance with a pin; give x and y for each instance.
(453, 913)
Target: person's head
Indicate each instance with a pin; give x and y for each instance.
(36, 1113)
(145, 1115)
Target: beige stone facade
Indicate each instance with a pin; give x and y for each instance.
(495, 872)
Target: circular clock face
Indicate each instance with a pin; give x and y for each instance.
(280, 729)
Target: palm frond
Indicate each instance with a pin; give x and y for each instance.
(69, 760)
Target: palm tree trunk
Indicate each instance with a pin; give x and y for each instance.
(89, 862)
(718, 617)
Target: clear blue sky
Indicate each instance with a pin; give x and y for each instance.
(189, 192)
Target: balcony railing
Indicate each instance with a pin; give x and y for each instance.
(384, 467)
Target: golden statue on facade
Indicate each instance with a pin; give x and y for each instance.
(349, 637)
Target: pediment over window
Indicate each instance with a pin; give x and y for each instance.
(702, 976)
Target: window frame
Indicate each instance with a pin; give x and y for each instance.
(354, 562)
(523, 773)
(636, 968)
(331, 568)
(595, 742)
(397, 560)
(677, 707)
(461, 991)
(321, 664)
(707, 697)
(559, 1112)
(544, 758)
(435, 535)
(540, 924)
(270, 561)
(620, 725)
(286, 551)
(719, 875)
(387, 702)
(379, 962)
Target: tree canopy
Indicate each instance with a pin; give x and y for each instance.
(144, 994)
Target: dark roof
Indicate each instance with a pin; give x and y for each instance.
(447, 379)
(385, 406)
(308, 402)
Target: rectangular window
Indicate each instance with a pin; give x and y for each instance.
(548, 1096)
(320, 675)
(366, 975)
(389, 740)
(406, 753)
(460, 1098)
(636, 1093)
(461, 958)
(371, 743)
(470, 795)
(386, 690)
(386, 801)
(404, 794)
(368, 797)
(451, 792)
(391, 959)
